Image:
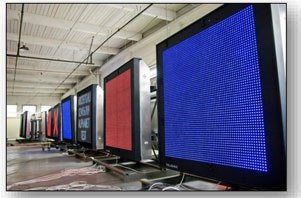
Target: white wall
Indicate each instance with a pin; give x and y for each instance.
(89, 80)
(13, 127)
(13, 123)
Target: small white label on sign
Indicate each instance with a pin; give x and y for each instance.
(83, 135)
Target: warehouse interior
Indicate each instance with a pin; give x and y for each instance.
(103, 69)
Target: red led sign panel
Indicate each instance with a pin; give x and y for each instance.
(119, 112)
(55, 122)
(49, 124)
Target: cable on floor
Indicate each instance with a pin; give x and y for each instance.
(155, 184)
(78, 186)
(128, 168)
(170, 188)
(90, 170)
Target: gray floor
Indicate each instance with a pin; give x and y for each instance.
(29, 162)
(30, 168)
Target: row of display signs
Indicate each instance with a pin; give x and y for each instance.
(221, 108)
(117, 119)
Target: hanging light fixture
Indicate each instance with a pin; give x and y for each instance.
(24, 48)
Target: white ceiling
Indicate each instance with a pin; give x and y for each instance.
(65, 31)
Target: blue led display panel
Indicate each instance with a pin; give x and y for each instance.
(66, 113)
(213, 110)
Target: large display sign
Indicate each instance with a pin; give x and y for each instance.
(216, 82)
(119, 112)
(25, 125)
(127, 111)
(68, 119)
(84, 117)
(90, 117)
(56, 122)
(49, 124)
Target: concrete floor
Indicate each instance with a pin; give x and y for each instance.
(30, 168)
(29, 162)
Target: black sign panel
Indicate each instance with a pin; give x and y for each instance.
(84, 117)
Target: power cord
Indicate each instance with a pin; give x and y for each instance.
(155, 184)
(170, 188)
(181, 182)
(128, 168)
(176, 187)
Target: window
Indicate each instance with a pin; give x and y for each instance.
(11, 110)
(45, 107)
(30, 108)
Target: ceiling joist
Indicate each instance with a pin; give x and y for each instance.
(68, 45)
(40, 90)
(65, 24)
(43, 85)
(59, 58)
(33, 94)
(31, 78)
(154, 11)
(28, 68)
